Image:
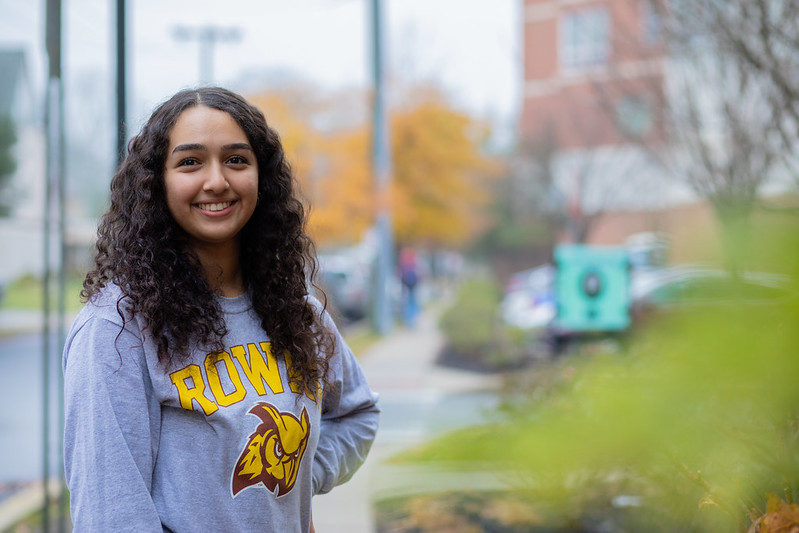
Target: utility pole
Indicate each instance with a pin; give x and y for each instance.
(208, 36)
(121, 82)
(381, 166)
(54, 271)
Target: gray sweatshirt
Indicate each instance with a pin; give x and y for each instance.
(218, 443)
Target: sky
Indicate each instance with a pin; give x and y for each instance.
(471, 48)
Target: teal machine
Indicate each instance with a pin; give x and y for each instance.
(592, 290)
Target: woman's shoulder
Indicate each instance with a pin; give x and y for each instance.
(105, 333)
(108, 304)
(314, 302)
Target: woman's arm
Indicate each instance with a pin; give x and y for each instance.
(112, 427)
(350, 416)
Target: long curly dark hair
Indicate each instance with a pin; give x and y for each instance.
(144, 251)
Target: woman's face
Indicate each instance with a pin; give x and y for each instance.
(211, 177)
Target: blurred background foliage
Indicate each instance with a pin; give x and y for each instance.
(476, 337)
(442, 173)
(692, 426)
(8, 164)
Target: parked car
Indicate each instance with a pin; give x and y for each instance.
(685, 287)
(647, 250)
(346, 282)
(529, 299)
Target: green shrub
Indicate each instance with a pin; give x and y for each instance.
(693, 427)
(475, 335)
(457, 511)
(469, 324)
(27, 292)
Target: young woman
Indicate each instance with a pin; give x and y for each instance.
(205, 389)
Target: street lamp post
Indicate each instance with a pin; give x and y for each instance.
(208, 36)
(381, 166)
(54, 271)
(121, 81)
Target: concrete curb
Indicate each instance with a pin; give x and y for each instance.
(26, 502)
(27, 321)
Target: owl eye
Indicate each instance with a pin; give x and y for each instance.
(278, 449)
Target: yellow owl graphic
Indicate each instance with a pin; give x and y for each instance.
(274, 451)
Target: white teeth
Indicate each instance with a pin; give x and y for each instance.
(215, 207)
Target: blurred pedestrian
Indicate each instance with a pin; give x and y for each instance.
(205, 389)
(409, 277)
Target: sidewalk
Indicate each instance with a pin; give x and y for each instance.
(402, 369)
(20, 321)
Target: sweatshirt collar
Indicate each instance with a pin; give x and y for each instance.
(237, 304)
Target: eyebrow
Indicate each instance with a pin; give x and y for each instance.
(188, 147)
(237, 146)
(196, 146)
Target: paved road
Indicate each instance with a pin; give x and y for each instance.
(21, 413)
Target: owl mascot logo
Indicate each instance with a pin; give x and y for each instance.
(274, 452)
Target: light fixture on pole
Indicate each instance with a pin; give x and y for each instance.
(208, 36)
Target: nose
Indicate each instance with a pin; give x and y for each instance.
(215, 180)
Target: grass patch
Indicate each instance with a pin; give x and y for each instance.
(361, 340)
(27, 293)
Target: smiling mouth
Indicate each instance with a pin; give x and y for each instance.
(217, 206)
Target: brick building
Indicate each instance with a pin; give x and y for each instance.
(593, 71)
(593, 90)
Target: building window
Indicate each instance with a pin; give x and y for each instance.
(634, 116)
(585, 38)
(652, 22)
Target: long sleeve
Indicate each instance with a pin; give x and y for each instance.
(350, 416)
(112, 428)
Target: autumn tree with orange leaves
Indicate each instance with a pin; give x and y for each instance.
(440, 173)
(331, 164)
(441, 176)
(343, 200)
